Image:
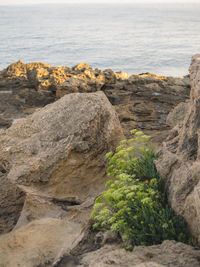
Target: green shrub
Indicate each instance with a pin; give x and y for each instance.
(134, 204)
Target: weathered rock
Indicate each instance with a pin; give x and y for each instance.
(11, 202)
(5, 123)
(39, 243)
(169, 253)
(57, 157)
(144, 101)
(177, 115)
(141, 101)
(18, 95)
(179, 162)
(60, 150)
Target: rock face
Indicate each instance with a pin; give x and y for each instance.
(141, 101)
(11, 202)
(60, 149)
(177, 114)
(38, 243)
(169, 253)
(57, 155)
(179, 162)
(53, 165)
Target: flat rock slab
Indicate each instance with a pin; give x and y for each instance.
(39, 243)
(169, 253)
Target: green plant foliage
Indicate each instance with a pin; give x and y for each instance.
(134, 204)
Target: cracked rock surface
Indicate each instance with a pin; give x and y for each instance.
(179, 161)
(56, 158)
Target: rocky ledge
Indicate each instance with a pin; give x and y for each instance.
(141, 101)
(52, 162)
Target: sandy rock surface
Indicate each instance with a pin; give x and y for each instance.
(169, 253)
(57, 158)
(179, 161)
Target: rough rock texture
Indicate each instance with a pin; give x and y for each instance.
(169, 253)
(39, 243)
(57, 155)
(179, 162)
(141, 101)
(177, 115)
(144, 101)
(59, 150)
(11, 202)
(56, 158)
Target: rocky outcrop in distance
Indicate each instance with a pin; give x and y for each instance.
(179, 161)
(141, 101)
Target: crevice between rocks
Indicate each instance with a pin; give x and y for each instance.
(64, 204)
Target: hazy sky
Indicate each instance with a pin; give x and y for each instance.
(15, 2)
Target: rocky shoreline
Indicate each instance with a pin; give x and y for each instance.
(56, 125)
(141, 101)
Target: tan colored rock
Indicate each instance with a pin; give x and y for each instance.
(179, 161)
(60, 150)
(177, 115)
(16, 69)
(142, 101)
(57, 157)
(169, 253)
(122, 75)
(40, 243)
(81, 67)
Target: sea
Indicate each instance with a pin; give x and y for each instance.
(135, 38)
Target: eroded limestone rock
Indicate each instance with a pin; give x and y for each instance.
(11, 202)
(169, 253)
(39, 243)
(141, 101)
(177, 115)
(179, 162)
(56, 156)
(60, 150)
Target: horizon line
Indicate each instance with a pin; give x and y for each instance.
(99, 3)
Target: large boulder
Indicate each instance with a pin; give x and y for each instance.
(179, 161)
(57, 158)
(59, 151)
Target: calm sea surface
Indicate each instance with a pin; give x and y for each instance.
(135, 38)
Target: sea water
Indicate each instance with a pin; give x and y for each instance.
(136, 38)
